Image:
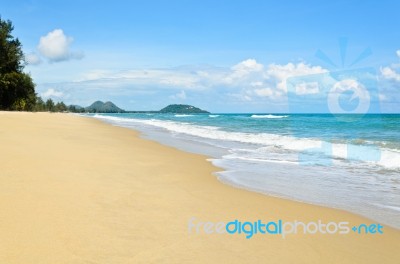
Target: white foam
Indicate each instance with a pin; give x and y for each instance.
(269, 116)
(213, 115)
(182, 115)
(260, 160)
(373, 156)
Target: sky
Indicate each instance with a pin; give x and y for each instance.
(222, 56)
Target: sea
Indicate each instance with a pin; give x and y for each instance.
(350, 162)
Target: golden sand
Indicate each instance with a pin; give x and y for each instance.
(76, 190)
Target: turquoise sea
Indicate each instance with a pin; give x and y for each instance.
(350, 162)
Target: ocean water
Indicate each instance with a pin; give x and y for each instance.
(351, 162)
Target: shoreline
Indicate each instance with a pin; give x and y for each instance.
(207, 158)
(242, 176)
(80, 190)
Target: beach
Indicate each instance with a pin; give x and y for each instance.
(77, 190)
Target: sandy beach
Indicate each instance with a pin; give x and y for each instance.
(76, 190)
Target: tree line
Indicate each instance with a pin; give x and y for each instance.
(50, 106)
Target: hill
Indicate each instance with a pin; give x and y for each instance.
(100, 107)
(182, 109)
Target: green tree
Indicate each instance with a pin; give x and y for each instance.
(40, 105)
(50, 105)
(17, 90)
(61, 107)
(72, 109)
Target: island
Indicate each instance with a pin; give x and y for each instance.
(182, 109)
(101, 107)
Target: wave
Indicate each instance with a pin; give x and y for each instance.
(269, 116)
(182, 115)
(213, 115)
(384, 157)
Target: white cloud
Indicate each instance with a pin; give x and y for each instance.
(266, 92)
(389, 86)
(55, 47)
(247, 98)
(181, 95)
(243, 70)
(32, 59)
(247, 66)
(307, 88)
(281, 72)
(241, 97)
(52, 93)
(93, 75)
(168, 78)
(390, 74)
(256, 84)
(270, 81)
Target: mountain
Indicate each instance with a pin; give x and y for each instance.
(182, 109)
(100, 107)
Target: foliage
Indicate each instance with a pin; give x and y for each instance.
(17, 90)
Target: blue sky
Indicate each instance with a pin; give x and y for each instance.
(224, 56)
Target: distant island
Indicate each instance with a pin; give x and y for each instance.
(109, 107)
(100, 107)
(182, 109)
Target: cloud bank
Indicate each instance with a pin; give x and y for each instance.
(248, 86)
(248, 79)
(244, 85)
